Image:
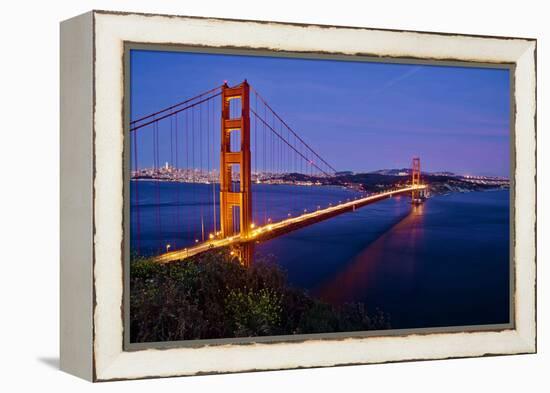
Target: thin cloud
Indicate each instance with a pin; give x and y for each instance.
(394, 81)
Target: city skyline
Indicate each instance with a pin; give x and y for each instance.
(166, 166)
(362, 116)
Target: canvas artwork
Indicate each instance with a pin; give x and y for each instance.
(250, 195)
(279, 197)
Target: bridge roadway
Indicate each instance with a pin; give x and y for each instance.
(272, 230)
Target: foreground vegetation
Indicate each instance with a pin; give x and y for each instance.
(214, 296)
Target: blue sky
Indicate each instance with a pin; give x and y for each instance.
(360, 116)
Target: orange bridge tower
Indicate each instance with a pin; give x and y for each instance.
(236, 198)
(417, 196)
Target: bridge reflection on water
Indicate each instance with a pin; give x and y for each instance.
(377, 257)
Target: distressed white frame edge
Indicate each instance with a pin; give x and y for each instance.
(76, 193)
(110, 32)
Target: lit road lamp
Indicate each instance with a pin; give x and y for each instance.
(168, 247)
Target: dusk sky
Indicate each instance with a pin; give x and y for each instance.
(359, 116)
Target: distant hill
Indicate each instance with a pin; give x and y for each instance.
(438, 182)
(407, 172)
(393, 172)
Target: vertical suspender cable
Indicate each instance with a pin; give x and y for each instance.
(208, 179)
(201, 170)
(136, 193)
(178, 184)
(193, 160)
(187, 174)
(213, 155)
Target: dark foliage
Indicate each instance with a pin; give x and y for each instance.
(214, 296)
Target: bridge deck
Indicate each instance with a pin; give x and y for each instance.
(272, 230)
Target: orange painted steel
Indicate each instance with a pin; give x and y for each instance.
(415, 173)
(230, 199)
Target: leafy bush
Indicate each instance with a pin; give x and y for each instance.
(253, 313)
(213, 296)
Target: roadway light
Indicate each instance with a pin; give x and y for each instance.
(196, 240)
(168, 247)
(211, 236)
(252, 225)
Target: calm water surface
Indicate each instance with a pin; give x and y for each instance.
(444, 263)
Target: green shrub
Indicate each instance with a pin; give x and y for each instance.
(318, 318)
(253, 313)
(213, 296)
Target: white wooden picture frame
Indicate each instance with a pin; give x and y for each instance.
(92, 196)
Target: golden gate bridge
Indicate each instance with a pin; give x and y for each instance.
(232, 141)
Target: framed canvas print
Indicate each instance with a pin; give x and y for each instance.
(246, 195)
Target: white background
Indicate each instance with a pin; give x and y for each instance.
(29, 197)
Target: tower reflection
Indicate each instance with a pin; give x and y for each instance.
(392, 256)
